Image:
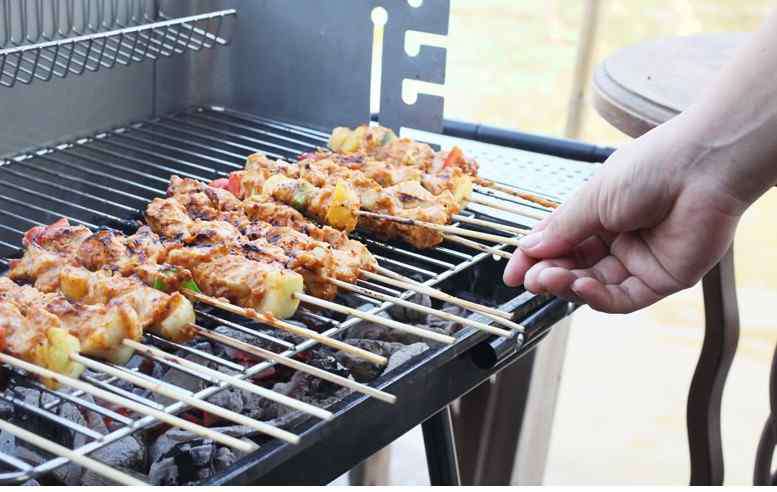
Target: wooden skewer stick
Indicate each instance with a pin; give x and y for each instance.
(232, 380)
(413, 330)
(423, 309)
(513, 208)
(59, 450)
(470, 305)
(499, 316)
(492, 225)
(295, 330)
(444, 228)
(177, 394)
(479, 247)
(302, 367)
(530, 197)
(121, 401)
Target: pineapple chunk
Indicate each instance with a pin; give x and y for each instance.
(462, 190)
(56, 355)
(279, 298)
(176, 324)
(341, 211)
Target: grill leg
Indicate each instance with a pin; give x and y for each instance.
(762, 475)
(441, 449)
(721, 334)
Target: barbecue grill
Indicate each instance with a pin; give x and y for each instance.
(107, 99)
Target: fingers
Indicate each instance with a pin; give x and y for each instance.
(628, 296)
(516, 268)
(570, 224)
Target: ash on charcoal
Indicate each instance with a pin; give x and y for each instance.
(362, 370)
(308, 388)
(235, 355)
(444, 325)
(31, 483)
(125, 454)
(412, 316)
(405, 354)
(179, 457)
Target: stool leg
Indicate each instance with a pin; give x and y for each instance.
(721, 334)
(375, 470)
(441, 449)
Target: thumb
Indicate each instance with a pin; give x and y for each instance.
(576, 220)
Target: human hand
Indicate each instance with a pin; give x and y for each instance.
(652, 222)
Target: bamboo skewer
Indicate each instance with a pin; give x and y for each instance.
(59, 450)
(500, 317)
(124, 402)
(385, 272)
(488, 223)
(480, 247)
(424, 309)
(513, 208)
(177, 394)
(444, 228)
(302, 367)
(233, 381)
(295, 330)
(529, 197)
(403, 327)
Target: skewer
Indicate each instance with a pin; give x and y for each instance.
(296, 330)
(413, 330)
(233, 381)
(488, 223)
(177, 394)
(444, 228)
(520, 194)
(513, 208)
(479, 247)
(500, 317)
(302, 367)
(385, 272)
(80, 459)
(424, 309)
(121, 401)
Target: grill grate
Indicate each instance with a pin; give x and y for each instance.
(107, 178)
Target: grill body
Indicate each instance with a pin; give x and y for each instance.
(96, 148)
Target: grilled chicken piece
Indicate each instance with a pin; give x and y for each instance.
(38, 337)
(384, 145)
(262, 286)
(100, 329)
(168, 315)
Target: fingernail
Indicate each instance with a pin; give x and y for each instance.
(530, 241)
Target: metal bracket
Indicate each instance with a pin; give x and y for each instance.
(426, 114)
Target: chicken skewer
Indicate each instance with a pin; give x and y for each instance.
(170, 218)
(28, 297)
(382, 144)
(320, 277)
(201, 200)
(104, 249)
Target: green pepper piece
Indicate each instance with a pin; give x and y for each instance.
(192, 285)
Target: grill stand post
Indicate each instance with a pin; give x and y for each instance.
(440, 447)
(721, 334)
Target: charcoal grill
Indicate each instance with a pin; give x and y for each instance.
(95, 144)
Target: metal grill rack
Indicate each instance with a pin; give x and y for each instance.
(46, 39)
(107, 178)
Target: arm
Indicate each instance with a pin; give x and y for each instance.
(664, 208)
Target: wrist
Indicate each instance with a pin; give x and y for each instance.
(736, 158)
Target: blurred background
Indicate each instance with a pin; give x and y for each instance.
(621, 411)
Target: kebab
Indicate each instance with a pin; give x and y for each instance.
(106, 244)
(383, 144)
(85, 284)
(200, 200)
(337, 196)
